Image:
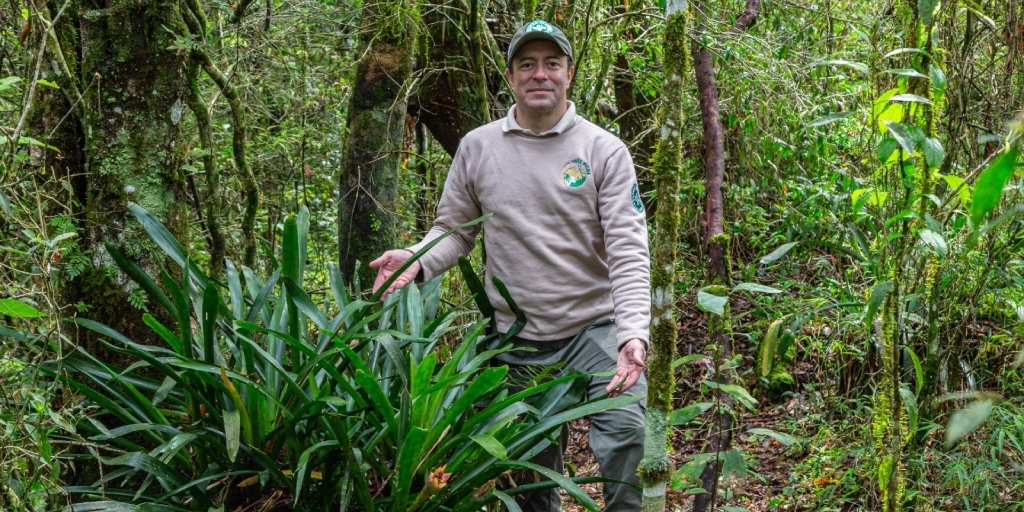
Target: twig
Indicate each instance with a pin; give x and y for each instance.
(31, 89)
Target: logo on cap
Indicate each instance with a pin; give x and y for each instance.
(539, 26)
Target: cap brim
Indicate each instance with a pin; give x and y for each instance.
(534, 36)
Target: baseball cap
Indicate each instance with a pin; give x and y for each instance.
(538, 29)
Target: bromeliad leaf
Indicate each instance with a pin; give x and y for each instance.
(491, 445)
(232, 432)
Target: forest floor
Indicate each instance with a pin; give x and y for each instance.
(773, 479)
(829, 467)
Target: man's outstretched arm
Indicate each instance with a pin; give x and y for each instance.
(387, 264)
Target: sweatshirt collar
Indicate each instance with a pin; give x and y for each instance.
(567, 121)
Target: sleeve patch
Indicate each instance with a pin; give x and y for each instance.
(638, 205)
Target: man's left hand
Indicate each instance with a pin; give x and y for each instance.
(631, 361)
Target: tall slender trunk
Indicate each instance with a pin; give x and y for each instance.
(656, 468)
(376, 119)
(717, 243)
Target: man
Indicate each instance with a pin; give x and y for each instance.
(568, 237)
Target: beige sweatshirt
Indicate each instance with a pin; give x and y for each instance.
(568, 235)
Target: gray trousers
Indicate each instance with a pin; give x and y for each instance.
(616, 436)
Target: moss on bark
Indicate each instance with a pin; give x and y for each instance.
(130, 116)
(656, 469)
(376, 118)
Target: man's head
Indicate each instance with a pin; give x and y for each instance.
(539, 71)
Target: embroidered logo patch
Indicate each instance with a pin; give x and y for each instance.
(575, 173)
(539, 26)
(638, 205)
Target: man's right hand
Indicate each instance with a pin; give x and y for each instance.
(386, 266)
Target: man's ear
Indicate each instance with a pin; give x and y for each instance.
(572, 71)
(508, 75)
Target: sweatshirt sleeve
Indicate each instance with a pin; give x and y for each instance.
(625, 239)
(458, 205)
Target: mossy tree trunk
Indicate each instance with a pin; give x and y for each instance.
(717, 246)
(656, 468)
(451, 100)
(119, 144)
(376, 119)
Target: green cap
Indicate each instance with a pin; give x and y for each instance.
(538, 29)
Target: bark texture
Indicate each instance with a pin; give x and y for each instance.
(121, 144)
(452, 98)
(376, 118)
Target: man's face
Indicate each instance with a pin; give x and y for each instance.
(539, 76)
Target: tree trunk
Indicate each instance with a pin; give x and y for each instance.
(127, 150)
(635, 111)
(717, 243)
(376, 118)
(452, 98)
(656, 468)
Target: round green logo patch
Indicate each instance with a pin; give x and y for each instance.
(638, 205)
(575, 173)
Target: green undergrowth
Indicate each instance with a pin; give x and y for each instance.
(262, 395)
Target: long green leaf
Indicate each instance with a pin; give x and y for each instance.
(570, 487)
(141, 277)
(476, 287)
(166, 241)
(410, 454)
(878, 293)
(372, 388)
(989, 188)
(302, 469)
(383, 287)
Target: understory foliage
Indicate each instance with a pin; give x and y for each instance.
(339, 403)
(873, 200)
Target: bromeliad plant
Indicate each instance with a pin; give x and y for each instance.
(260, 396)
